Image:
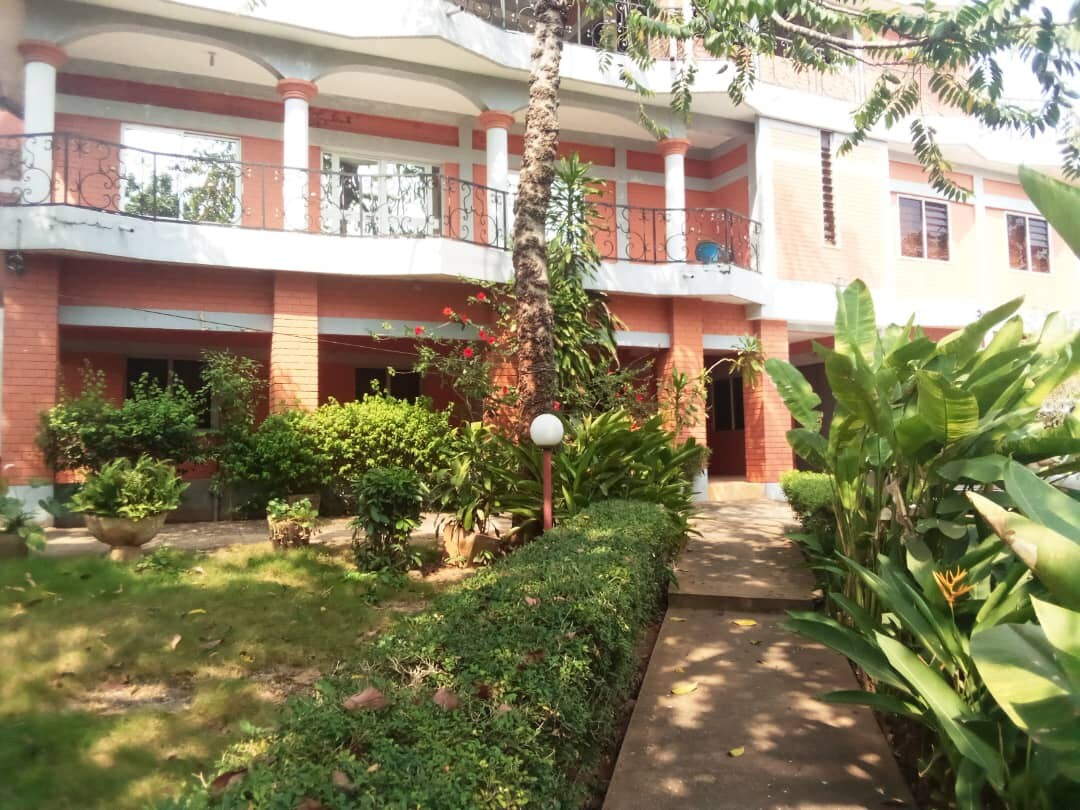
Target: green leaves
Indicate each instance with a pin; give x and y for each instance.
(856, 327)
(950, 413)
(796, 393)
(1057, 201)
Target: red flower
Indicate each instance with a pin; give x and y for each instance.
(483, 334)
(640, 397)
(448, 312)
(465, 319)
(418, 331)
(505, 390)
(468, 352)
(481, 296)
(556, 406)
(491, 340)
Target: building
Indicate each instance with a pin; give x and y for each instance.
(361, 161)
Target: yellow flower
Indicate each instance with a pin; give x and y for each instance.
(951, 584)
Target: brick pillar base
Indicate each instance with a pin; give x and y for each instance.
(686, 355)
(767, 420)
(294, 344)
(31, 358)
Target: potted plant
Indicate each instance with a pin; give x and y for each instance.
(126, 503)
(19, 532)
(291, 522)
(467, 499)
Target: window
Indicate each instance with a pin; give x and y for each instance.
(1029, 243)
(827, 210)
(173, 174)
(162, 371)
(371, 197)
(924, 229)
(727, 403)
(403, 384)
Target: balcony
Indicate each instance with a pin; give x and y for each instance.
(215, 191)
(582, 29)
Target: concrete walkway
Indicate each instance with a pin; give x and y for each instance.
(728, 716)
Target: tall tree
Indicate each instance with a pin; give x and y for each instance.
(953, 57)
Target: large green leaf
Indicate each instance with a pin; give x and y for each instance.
(951, 413)
(854, 385)
(983, 469)
(844, 640)
(963, 343)
(809, 445)
(1042, 502)
(886, 704)
(1058, 202)
(1054, 558)
(1007, 338)
(948, 707)
(796, 393)
(856, 326)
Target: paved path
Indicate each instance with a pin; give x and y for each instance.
(756, 689)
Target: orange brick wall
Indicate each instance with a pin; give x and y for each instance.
(686, 354)
(31, 364)
(767, 420)
(294, 344)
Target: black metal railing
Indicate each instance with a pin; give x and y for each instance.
(583, 28)
(212, 188)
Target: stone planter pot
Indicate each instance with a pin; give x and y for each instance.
(126, 536)
(12, 546)
(285, 534)
(462, 545)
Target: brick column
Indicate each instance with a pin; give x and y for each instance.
(294, 345)
(31, 358)
(686, 354)
(766, 418)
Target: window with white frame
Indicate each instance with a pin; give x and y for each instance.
(1029, 243)
(924, 229)
(373, 197)
(177, 174)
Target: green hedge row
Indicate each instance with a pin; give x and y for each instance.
(537, 651)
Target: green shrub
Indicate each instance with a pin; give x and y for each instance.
(14, 519)
(537, 652)
(88, 430)
(810, 496)
(278, 458)
(378, 431)
(388, 502)
(134, 491)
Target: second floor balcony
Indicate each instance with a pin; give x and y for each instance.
(363, 199)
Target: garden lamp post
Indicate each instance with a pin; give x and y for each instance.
(546, 431)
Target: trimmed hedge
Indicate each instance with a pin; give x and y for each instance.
(810, 495)
(539, 650)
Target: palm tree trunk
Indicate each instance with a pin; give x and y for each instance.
(536, 358)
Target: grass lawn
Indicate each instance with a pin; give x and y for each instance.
(120, 683)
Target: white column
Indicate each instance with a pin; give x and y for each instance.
(296, 180)
(39, 118)
(674, 151)
(762, 200)
(496, 127)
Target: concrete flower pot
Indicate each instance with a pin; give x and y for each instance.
(462, 545)
(12, 546)
(126, 536)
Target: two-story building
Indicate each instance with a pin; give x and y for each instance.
(308, 182)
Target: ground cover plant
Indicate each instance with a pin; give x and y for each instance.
(118, 682)
(502, 694)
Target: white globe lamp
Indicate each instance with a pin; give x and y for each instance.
(546, 431)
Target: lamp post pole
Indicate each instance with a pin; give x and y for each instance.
(546, 431)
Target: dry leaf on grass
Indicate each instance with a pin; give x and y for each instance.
(211, 644)
(736, 752)
(174, 642)
(195, 612)
(745, 622)
(224, 780)
(532, 601)
(306, 677)
(373, 768)
(445, 699)
(684, 687)
(370, 698)
(341, 780)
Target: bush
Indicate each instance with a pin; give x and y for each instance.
(378, 431)
(503, 694)
(87, 431)
(388, 501)
(810, 496)
(133, 491)
(291, 524)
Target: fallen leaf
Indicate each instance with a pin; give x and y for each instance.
(194, 612)
(745, 622)
(677, 619)
(373, 768)
(341, 780)
(679, 669)
(370, 698)
(18, 588)
(309, 804)
(535, 655)
(306, 677)
(736, 752)
(211, 644)
(225, 780)
(119, 590)
(571, 635)
(198, 569)
(175, 641)
(504, 708)
(30, 579)
(684, 688)
(756, 642)
(445, 699)
(532, 601)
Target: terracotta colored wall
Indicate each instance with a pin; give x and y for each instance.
(642, 313)
(294, 346)
(343, 297)
(686, 354)
(31, 355)
(767, 421)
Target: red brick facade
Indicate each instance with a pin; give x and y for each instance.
(294, 343)
(767, 419)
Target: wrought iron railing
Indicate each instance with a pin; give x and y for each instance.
(214, 189)
(582, 28)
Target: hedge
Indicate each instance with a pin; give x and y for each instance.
(810, 495)
(537, 652)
